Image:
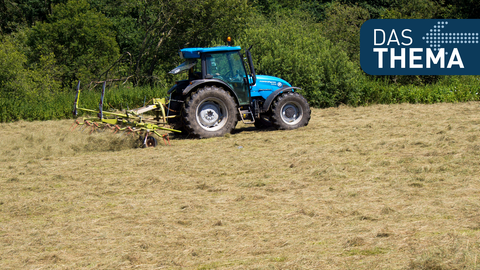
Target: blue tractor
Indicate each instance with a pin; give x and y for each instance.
(222, 89)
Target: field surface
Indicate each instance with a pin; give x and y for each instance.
(380, 187)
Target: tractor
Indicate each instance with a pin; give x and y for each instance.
(219, 92)
(222, 88)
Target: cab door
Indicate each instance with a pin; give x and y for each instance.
(228, 67)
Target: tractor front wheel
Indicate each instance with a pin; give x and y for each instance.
(210, 112)
(290, 111)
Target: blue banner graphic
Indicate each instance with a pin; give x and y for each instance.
(420, 47)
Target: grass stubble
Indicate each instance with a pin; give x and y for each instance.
(379, 187)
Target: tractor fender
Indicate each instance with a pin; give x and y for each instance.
(198, 83)
(276, 93)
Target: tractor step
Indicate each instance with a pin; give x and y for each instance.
(244, 114)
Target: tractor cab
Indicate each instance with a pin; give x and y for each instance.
(223, 63)
(222, 89)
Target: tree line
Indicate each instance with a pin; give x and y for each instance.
(48, 45)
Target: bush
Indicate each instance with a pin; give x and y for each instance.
(78, 38)
(118, 97)
(293, 47)
(448, 89)
(14, 79)
(17, 80)
(342, 26)
(60, 105)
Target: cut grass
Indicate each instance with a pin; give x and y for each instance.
(380, 187)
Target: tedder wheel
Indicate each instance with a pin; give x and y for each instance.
(150, 142)
(210, 112)
(290, 111)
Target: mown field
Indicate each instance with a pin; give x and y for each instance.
(379, 187)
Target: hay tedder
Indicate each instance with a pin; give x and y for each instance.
(131, 121)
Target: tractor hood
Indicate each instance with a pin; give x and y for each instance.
(265, 82)
(265, 85)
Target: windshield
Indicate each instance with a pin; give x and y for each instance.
(225, 66)
(184, 66)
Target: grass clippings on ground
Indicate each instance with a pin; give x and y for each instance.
(380, 187)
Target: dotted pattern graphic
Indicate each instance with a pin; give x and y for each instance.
(437, 38)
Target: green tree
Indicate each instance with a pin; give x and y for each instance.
(414, 9)
(342, 26)
(460, 9)
(292, 47)
(81, 40)
(153, 31)
(14, 79)
(16, 14)
(18, 80)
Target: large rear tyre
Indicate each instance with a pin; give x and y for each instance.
(210, 112)
(290, 111)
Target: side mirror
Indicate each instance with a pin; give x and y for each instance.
(252, 68)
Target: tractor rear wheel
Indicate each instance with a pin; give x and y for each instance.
(210, 112)
(290, 111)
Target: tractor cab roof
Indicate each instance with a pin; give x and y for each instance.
(189, 53)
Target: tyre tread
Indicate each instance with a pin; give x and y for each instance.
(189, 112)
(277, 121)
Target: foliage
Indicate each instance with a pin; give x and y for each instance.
(153, 31)
(461, 9)
(60, 105)
(293, 48)
(25, 92)
(80, 38)
(13, 75)
(17, 14)
(120, 97)
(448, 89)
(408, 9)
(46, 46)
(17, 80)
(342, 26)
